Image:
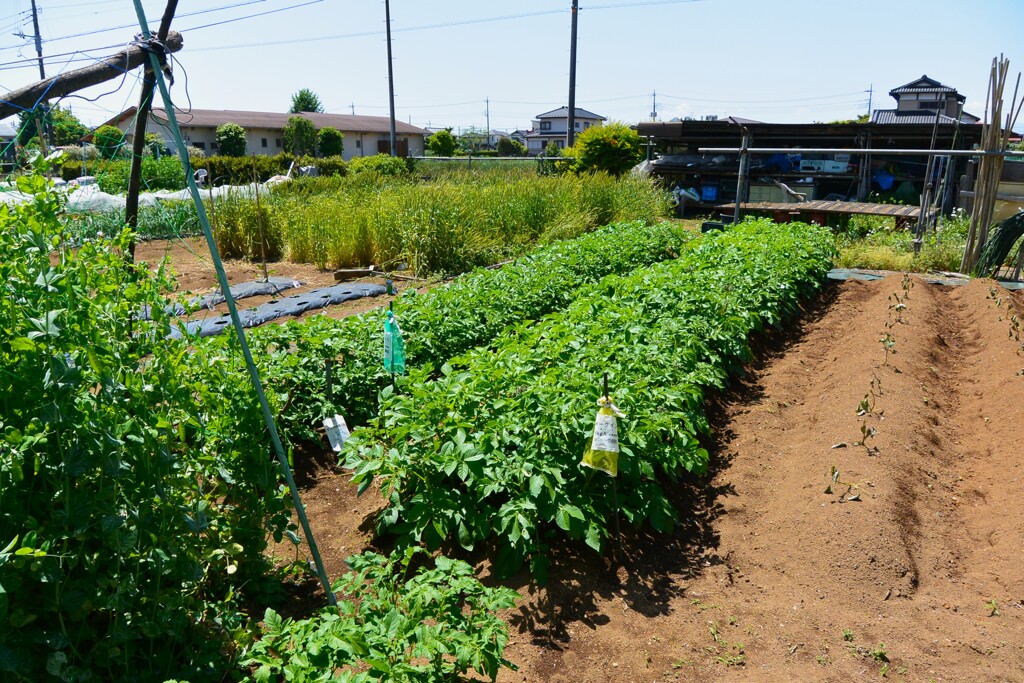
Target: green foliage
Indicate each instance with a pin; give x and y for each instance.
(164, 173)
(437, 625)
(614, 148)
(488, 453)
(231, 140)
(135, 501)
(109, 140)
(155, 145)
(875, 242)
(306, 100)
(299, 136)
(330, 142)
(442, 323)
(442, 143)
(67, 129)
(507, 147)
(378, 164)
(331, 166)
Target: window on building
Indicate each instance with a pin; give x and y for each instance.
(359, 144)
(277, 143)
(545, 125)
(213, 146)
(263, 143)
(586, 125)
(201, 145)
(576, 125)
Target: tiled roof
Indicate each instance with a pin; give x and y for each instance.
(895, 116)
(346, 123)
(563, 113)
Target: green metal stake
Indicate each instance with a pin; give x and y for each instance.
(222, 279)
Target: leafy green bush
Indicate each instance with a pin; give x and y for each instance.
(489, 452)
(330, 142)
(109, 140)
(299, 136)
(164, 173)
(231, 140)
(614, 148)
(435, 626)
(135, 500)
(380, 164)
(442, 143)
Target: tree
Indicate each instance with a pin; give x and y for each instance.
(330, 142)
(108, 140)
(442, 143)
(299, 136)
(231, 140)
(67, 129)
(507, 147)
(614, 148)
(306, 100)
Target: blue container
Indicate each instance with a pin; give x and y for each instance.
(709, 193)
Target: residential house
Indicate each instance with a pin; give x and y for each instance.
(554, 126)
(264, 131)
(919, 101)
(8, 153)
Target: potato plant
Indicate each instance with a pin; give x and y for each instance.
(488, 453)
(440, 324)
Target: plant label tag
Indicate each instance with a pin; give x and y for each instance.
(606, 433)
(337, 432)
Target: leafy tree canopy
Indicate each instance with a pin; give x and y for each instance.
(442, 143)
(108, 140)
(231, 140)
(507, 147)
(306, 100)
(67, 129)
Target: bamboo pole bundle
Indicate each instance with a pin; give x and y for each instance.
(995, 136)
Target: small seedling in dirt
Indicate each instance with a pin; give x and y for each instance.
(866, 405)
(867, 432)
(907, 285)
(993, 608)
(823, 660)
(849, 494)
(732, 621)
(879, 654)
(994, 296)
(885, 671)
(847, 635)
(899, 306)
(888, 342)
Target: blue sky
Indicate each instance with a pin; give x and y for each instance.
(778, 61)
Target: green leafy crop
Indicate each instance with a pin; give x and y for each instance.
(488, 453)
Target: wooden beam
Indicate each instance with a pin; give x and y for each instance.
(72, 81)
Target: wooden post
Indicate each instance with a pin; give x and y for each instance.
(131, 204)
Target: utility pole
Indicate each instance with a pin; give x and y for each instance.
(353, 105)
(391, 75)
(871, 93)
(46, 125)
(654, 106)
(487, 111)
(570, 136)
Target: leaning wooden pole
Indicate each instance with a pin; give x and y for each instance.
(68, 82)
(131, 204)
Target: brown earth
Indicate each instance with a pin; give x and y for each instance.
(770, 578)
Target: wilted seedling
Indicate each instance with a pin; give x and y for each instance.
(993, 608)
(888, 342)
(866, 405)
(907, 285)
(847, 635)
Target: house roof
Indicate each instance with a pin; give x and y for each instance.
(8, 131)
(563, 113)
(212, 118)
(887, 116)
(925, 85)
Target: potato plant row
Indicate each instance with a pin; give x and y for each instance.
(441, 323)
(489, 452)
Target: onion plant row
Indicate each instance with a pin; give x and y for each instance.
(441, 323)
(488, 454)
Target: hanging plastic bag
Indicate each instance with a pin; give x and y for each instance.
(603, 453)
(394, 346)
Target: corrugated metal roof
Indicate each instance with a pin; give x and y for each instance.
(346, 123)
(563, 113)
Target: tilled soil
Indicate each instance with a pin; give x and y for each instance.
(909, 568)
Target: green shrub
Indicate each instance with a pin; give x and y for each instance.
(164, 173)
(109, 140)
(380, 164)
(614, 148)
(231, 140)
(330, 142)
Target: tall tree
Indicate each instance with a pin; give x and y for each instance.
(306, 100)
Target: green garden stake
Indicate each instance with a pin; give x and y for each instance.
(389, 286)
(394, 346)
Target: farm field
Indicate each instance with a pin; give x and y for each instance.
(768, 577)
